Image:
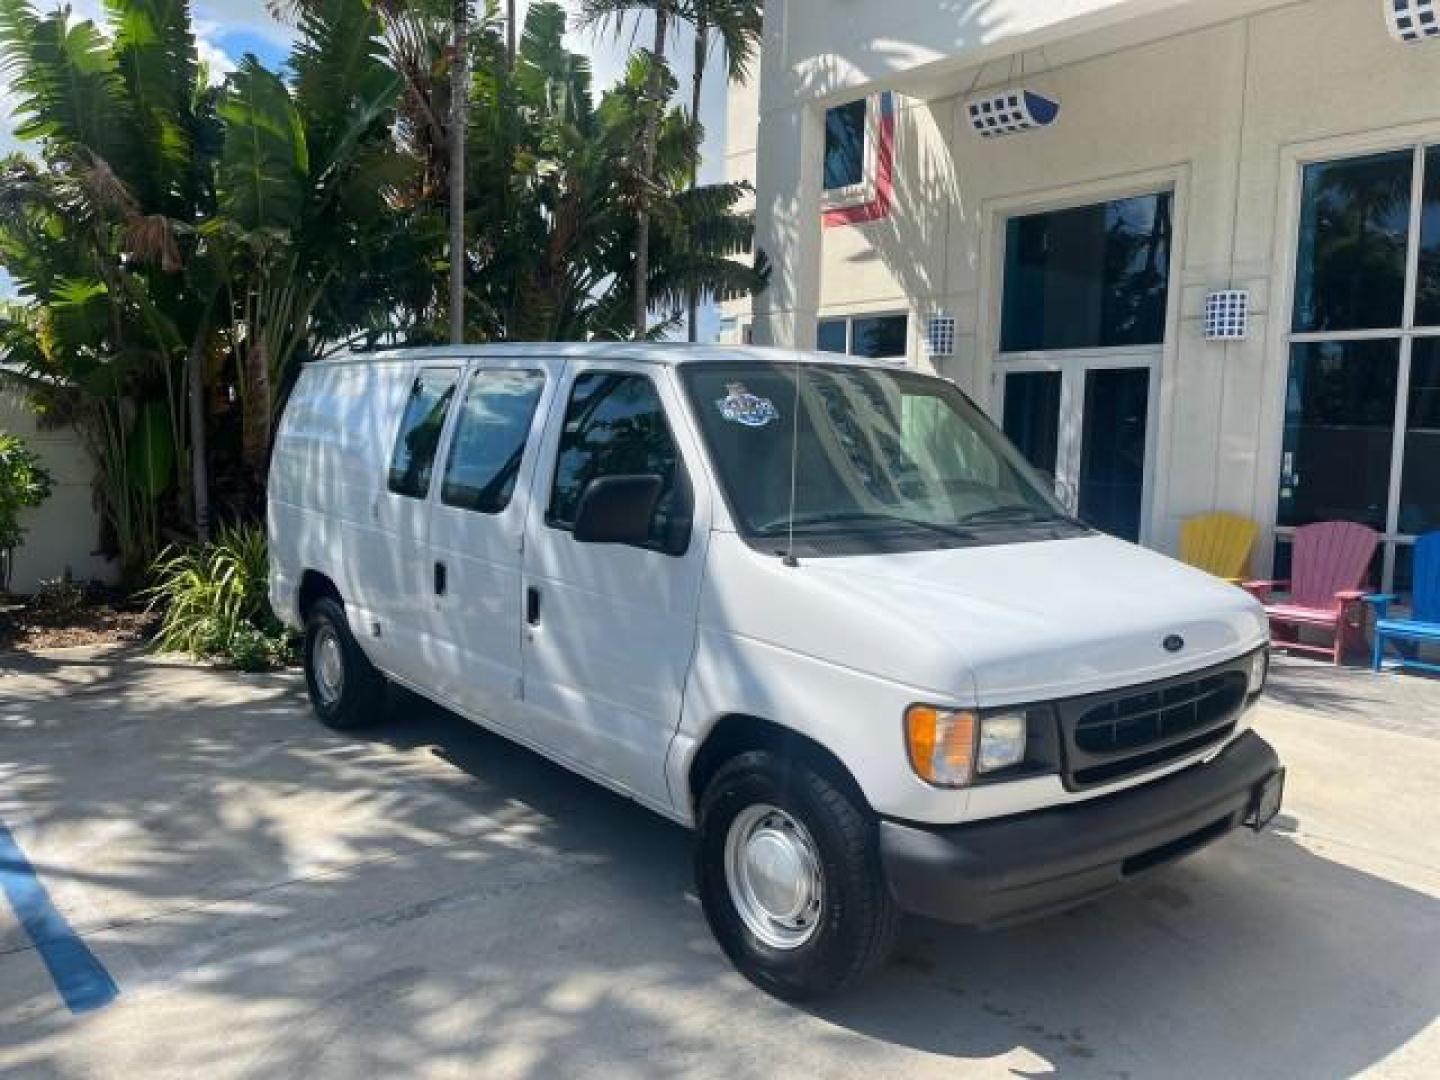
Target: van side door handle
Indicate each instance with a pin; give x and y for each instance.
(532, 606)
(440, 579)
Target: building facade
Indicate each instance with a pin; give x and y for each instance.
(1043, 199)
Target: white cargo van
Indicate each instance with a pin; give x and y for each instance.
(816, 608)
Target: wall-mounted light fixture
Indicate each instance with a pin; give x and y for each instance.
(940, 335)
(1412, 20)
(1010, 111)
(1227, 315)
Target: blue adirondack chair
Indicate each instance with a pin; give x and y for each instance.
(1423, 625)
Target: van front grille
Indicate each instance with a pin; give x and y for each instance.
(1112, 735)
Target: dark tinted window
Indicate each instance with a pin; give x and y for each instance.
(1420, 480)
(1112, 450)
(830, 335)
(845, 145)
(1354, 220)
(615, 426)
(1339, 428)
(1427, 294)
(1089, 277)
(414, 456)
(1032, 416)
(489, 440)
(878, 336)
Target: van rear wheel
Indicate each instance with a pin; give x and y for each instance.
(346, 690)
(787, 866)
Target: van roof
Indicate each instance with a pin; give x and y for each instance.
(669, 353)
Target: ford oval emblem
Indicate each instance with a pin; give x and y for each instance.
(1173, 643)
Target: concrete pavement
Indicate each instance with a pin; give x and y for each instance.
(428, 900)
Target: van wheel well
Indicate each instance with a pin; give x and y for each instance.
(314, 585)
(738, 734)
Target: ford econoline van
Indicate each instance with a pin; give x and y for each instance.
(818, 609)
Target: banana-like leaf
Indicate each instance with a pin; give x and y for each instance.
(155, 53)
(265, 163)
(151, 456)
(70, 93)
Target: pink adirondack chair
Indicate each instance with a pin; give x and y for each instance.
(1329, 566)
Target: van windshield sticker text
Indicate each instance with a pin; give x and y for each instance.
(739, 406)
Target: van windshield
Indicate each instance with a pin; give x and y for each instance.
(876, 453)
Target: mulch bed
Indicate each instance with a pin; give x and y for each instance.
(104, 618)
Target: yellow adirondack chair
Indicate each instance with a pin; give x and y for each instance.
(1220, 544)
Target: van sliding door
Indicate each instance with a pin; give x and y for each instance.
(477, 527)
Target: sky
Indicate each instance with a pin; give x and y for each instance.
(227, 29)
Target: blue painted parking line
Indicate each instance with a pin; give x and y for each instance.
(81, 979)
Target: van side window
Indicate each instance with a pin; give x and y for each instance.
(615, 426)
(420, 428)
(489, 440)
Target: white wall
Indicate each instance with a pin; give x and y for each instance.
(65, 530)
(1224, 115)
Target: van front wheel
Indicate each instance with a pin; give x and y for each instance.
(346, 690)
(788, 871)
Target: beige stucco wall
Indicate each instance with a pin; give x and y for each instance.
(64, 531)
(1223, 115)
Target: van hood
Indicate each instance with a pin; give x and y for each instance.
(1004, 624)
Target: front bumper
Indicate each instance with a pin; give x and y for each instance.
(1021, 867)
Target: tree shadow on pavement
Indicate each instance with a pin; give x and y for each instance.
(276, 899)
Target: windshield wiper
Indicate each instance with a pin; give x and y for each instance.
(777, 528)
(1010, 513)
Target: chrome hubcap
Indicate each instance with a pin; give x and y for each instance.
(329, 666)
(773, 872)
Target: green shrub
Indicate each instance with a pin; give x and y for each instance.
(24, 483)
(215, 602)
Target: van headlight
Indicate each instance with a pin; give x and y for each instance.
(949, 747)
(1259, 670)
(1002, 741)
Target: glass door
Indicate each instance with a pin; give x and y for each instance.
(1110, 480)
(1083, 308)
(1085, 422)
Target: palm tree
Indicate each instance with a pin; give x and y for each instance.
(556, 259)
(736, 26)
(459, 95)
(615, 11)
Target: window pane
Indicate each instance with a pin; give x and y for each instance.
(420, 427)
(1420, 478)
(845, 145)
(1404, 583)
(1339, 425)
(830, 335)
(1112, 450)
(489, 440)
(1032, 416)
(1427, 297)
(1089, 277)
(615, 426)
(878, 337)
(1354, 219)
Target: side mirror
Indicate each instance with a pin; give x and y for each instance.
(617, 510)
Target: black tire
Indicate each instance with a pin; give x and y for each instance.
(360, 696)
(857, 921)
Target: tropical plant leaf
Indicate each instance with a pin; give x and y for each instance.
(151, 460)
(265, 163)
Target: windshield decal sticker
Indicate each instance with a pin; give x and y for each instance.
(739, 406)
